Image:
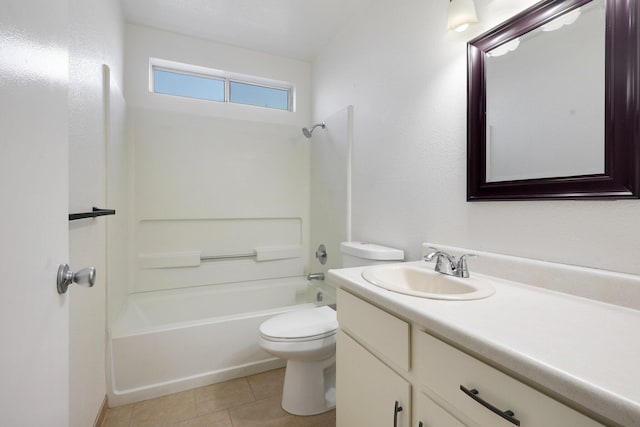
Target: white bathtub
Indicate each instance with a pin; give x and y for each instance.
(169, 341)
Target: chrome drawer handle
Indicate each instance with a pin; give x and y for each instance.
(397, 408)
(507, 415)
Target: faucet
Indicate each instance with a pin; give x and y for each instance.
(452, 267)
(315, 276)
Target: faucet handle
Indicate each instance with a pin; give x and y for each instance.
(462, 266)
(429, 257)
(435, 253)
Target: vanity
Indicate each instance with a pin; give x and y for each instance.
(526, 355)
(551, 115)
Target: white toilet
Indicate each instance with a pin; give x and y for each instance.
(307, 340)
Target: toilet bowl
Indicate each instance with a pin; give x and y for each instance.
(307, 340)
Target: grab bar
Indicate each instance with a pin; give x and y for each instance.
(94, 213)
(207, 258)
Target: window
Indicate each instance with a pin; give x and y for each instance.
(171, 78)
(262, 96)
(188, 85)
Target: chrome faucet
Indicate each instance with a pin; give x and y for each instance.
(315, 276)
(452, 267)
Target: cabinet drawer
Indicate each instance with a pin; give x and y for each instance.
(443, 369)
(378, 329)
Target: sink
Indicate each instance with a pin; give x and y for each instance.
(423, 281)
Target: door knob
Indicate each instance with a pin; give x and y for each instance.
(85, 277)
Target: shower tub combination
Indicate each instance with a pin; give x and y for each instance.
(168, 341)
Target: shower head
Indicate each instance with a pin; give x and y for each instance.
(307, 132)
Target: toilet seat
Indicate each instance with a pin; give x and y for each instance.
(301, 325)
(299, 339)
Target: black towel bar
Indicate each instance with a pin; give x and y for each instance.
(94, 213)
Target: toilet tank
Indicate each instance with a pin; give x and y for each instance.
(357, 254)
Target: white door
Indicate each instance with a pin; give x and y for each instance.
(369, 393)
(426, 413)
(34, 369)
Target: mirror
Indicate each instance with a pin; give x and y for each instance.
(563, 91)
(553, 98)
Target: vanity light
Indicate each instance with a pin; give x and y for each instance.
(461, 14)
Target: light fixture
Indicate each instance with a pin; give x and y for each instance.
(461, 14)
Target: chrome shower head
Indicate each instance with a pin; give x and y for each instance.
(307, 132)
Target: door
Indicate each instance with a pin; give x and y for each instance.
(369, 393)
(427, 413)
(34, 369)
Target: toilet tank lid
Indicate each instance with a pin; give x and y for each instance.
(371, 251)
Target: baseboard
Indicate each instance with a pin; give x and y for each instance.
(125, 397)
(102, 415)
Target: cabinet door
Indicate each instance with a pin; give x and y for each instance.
(428, 414)
(367, 389)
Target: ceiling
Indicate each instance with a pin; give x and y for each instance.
(292, 28)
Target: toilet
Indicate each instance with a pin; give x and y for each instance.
(307, 340)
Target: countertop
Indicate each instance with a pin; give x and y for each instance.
(585, 351)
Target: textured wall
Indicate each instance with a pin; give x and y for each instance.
(143, 43)
(96, 38)
(330, 188)
(405, 76)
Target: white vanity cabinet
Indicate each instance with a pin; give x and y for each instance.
(382, 359)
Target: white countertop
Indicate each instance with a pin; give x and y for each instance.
(584, 350)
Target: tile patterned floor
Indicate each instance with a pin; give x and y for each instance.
(253, 401)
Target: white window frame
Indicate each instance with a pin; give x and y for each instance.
(226, 76)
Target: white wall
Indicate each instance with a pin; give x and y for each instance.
(118, 197)
(96, 35)
(210, 177)
(405, 75)
(144, 42)
(330, 187)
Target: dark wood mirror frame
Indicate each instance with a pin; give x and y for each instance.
(621, 178)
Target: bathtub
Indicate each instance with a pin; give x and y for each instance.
(168, 341)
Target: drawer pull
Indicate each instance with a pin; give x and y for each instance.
(397, 408)
(507, 415)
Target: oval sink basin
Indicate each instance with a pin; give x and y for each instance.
(426, 283)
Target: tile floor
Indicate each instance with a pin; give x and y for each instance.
(244, 402)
